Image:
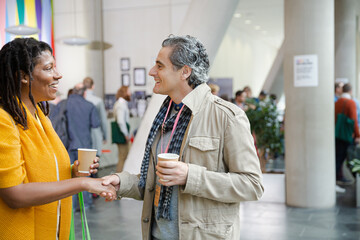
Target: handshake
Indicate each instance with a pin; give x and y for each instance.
(170, 173)
(105, 187)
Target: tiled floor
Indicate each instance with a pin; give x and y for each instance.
(259, 220)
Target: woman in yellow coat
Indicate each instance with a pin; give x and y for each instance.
(36, 181)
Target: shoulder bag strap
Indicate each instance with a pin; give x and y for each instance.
(343, 107)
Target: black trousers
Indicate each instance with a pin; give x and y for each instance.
(341, 154)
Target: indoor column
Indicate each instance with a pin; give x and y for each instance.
(309, 116)
(345, 41)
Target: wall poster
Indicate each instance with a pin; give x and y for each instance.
(306, 71)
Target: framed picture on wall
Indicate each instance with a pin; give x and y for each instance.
(125, 64)
(139, 76)
(110, 100)
(125, 79)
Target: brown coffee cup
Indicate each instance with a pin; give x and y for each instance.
(167, 157)
(86, 158)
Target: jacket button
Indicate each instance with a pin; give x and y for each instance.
(145, 220)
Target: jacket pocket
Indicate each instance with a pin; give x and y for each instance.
(204, 151)
(208, 231)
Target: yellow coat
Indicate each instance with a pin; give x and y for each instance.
(29, 156)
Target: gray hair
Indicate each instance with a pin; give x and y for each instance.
(191, 52)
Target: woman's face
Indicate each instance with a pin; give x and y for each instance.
(46, 78)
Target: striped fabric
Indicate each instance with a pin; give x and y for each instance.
(33, 13)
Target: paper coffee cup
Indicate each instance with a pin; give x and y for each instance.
(167, 157)
(86, 158)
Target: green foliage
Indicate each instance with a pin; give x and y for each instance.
(263, 117)
(354, 165)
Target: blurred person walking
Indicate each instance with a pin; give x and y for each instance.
(240, 100)
(346, 106)
(99, 134)
(338, 90)
(122, 117)
(82, 116)
(214, 88)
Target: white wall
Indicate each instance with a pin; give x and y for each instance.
(71, 60)
(244, 58)
(136, 30)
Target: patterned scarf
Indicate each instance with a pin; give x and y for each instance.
(175, 145)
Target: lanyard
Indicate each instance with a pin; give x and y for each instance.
(173, 130)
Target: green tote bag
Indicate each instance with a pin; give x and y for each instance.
(344, 127)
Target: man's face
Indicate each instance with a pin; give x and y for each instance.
(241, 98)
(167, 78)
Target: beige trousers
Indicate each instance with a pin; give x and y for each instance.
(123, 150)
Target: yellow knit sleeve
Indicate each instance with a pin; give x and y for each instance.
(12, 171)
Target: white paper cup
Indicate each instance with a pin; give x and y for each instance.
(86, 158)
(167, 157)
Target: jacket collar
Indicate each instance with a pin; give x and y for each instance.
(196, 97)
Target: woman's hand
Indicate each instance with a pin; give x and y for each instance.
(93, 168)
(94, 185)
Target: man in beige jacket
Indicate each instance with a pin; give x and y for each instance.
(199, 196)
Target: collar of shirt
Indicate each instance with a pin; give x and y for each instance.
(346, 95)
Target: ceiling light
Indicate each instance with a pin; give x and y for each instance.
(79, 41)
(248, 21)
(22, 30)
(237, 15)
(257, 27)
(76, 40)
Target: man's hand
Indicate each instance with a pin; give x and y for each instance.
(113, 180)
(95, 185)
(174, 173)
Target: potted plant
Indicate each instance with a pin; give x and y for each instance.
(354, 165)
(263, 117)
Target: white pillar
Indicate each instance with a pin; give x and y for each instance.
(345, 41)
(95, 50)
(309, 116)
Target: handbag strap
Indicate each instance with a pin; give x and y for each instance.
(343, 107)
(84, 224)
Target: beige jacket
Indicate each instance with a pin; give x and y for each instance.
(224, 170)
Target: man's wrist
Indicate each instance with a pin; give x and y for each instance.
(117, 187)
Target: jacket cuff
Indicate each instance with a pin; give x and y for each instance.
(125, 184)
(193, 182)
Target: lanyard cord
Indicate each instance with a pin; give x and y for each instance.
(173, 130)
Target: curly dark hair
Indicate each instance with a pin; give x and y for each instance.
(18, 58)
(189, 51)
